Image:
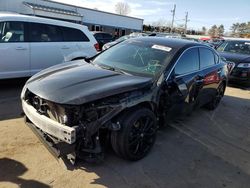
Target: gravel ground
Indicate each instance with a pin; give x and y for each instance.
(206, 149)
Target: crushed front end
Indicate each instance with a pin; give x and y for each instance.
(70, 132)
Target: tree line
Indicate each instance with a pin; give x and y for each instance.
(241, 30)
(237, 30)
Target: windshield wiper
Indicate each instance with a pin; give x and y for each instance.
(115, 69)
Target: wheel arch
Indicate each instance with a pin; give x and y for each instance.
(146, 104)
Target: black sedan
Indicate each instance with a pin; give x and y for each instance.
(122, 95)
(237, 51)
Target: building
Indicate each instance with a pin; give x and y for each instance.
(95, 20)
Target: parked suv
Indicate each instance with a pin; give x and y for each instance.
(102, 38)
(29, 44)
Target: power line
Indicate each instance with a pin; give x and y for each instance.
(173, 14)
(186, 20)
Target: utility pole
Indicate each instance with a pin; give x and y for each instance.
(186, 20)
(173, 15)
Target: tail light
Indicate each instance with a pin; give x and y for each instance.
(97, 47)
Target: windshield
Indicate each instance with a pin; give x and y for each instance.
(240, 47)
(136, 58)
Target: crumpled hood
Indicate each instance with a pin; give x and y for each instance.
(236, 58)
(79, 82)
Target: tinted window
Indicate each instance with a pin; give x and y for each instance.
(98, 35)
(206, 57)
(12, 32)
(188, 62)
(74, 35)
(44, 33)
(107, 36)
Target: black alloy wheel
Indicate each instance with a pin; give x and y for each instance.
(212, 105)
(137, 135)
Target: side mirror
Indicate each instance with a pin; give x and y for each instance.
(170, 80)
(178, 84)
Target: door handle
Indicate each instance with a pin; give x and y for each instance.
(20, 48)
(199, 81)
(65, 47)
(219, 71)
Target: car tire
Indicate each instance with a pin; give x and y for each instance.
(213, 104)
(137, 134)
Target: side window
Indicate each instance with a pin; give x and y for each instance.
(207, 57)
(44, 33)
(54, 33)
(188, 62)
(12, 32)
(74, 35)
(107, 36)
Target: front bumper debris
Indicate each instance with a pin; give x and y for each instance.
(49, 126)
(57, 149)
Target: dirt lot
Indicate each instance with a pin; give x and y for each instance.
(207, 149)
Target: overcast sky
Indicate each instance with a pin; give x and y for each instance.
(201, 12)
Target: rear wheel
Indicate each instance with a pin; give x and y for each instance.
(212, 105)
(137, 134)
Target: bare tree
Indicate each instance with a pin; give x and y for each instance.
(122, 8)
(221, 30)
(213, 31)
(235, 27)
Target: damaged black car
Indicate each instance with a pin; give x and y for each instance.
(121, 96)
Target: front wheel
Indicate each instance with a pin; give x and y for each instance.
(137, 134)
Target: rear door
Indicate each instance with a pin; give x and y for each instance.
(14, 50)
(211, 71)
(184, 83)
(46, 46)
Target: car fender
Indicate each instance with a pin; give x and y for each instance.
(76, 55)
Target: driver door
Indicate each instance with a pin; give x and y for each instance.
(184, 84)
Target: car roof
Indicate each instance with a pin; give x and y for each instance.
(100, 32)
(238, 40)
(169, 42)
(11, 16)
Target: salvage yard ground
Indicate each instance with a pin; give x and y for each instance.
(207, 149)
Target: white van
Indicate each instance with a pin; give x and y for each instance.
(29, 44)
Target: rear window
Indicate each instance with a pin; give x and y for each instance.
(44, 33)
(98, 35)
(74, 35)
(107, 36)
